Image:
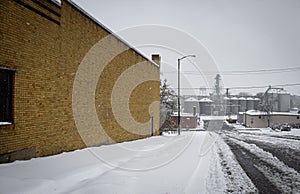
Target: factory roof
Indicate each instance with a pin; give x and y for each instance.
(261, 113)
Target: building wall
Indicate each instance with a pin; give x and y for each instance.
(186, 121)
(189, 106)
(45, 46)
(262, 121)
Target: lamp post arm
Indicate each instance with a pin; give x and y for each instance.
(178, 98)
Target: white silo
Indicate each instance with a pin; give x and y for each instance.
(284, 102)
(227, 105)
(273, 100)
(189, 104)
(242, 104)
(256, 103)
(205, 106)
(250, 103)
(234, 105)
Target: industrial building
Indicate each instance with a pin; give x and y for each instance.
(187, 120)
(57, 94)
(260, 119)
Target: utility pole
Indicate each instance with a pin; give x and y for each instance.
(178, 99)
(217, 96)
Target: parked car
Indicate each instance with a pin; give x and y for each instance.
(285, 127)
(275, 126)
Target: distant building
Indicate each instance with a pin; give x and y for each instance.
(260, 119)
(187, 120)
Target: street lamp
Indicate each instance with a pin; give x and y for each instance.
(178, 98)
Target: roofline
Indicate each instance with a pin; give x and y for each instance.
(272, 114)
(77, 7)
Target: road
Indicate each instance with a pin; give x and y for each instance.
(271, 160)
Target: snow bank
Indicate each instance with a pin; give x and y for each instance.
(236, 179)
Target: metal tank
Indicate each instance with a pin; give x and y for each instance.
(284, 102)
(234, 105)
(273, 100)
(189, 104)
(242, 104)
(205, 106)
(256, 103)
(250, 103)
(227, 105)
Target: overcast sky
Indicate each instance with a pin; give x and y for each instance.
(226, 35)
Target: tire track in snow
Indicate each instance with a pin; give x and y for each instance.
(288, 154)
(236, 178)
(266, 171)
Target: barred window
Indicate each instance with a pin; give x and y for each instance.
(6, 79)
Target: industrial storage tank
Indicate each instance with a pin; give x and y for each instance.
(205, 106)
(273, 100)
(284, 102)
(227, 105)
(250, 103)
(256, 103)
(234, 105)
(189, 104)
(242, 104)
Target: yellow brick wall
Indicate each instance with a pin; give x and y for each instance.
(46, 57)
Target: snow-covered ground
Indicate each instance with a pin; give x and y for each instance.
(195, 162)
(273, 156)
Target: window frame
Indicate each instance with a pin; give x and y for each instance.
(9, 115)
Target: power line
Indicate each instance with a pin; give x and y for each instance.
(239, 72)
(242, 87)
(258, 87)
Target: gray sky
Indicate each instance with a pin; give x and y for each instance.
(226, 35)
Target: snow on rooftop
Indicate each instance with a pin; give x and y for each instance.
(183, 114)
(210, 117)
(191, 99)
(256, 112)
(283, 92)
(234, 98)
(205, 100)
(242, 98)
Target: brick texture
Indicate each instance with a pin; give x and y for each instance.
(45, 45)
